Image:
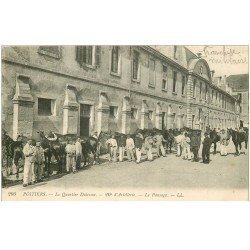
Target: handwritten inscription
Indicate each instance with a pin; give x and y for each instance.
(223, 54)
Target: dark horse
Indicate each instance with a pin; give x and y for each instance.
(237, 138)
(215, 138)
(95, 146)
(13, 151)
(168, 135)
(52, 148)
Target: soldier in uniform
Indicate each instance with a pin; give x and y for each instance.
(39, 162)
(206, 149)
(138, 146)
(130, 145)
(121, 142)
(148, 146)
(78, 146)
(28, 170)
(223, 143)
(179, 143)
(158, 139)
(112, 143)
(186, 148)
(195, 142)
(70, 158)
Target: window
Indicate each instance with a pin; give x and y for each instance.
(200, 90)
(85, 54)
(194, 88)
(183, 86)
(115, 59)
(201, 70)
(89, 56)
(151, 72)
(206, 92)
(113, 112)
(175, 52)
(174, 82)
(163, 120)
(164, 84)
(136, 65)
(46, 107)
(150, 115)
(164, 78)
(133, 113)
(52, 51)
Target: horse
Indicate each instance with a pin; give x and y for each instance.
(94, 146)
(215, 138)
(86, 150)
(13, 150)
(6, 154)
(55, 148)
(237, 138)
(169, 137)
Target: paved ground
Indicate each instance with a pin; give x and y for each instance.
(228, 172)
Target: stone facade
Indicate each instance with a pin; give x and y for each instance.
(60, 90)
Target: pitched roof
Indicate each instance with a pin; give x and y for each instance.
(238, 82)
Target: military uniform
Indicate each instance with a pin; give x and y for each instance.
(78, 146)
(186, 148)
(159, 147)
(148, 145)
(130, 145)
(179, 143)
(28, 170)
(195, 145)
(39, 162)
(138, 147)
(113, 148)
(121, 142)
(206, 150)
(70, 158)
(223, 144)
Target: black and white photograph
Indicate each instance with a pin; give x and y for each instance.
(127, 122)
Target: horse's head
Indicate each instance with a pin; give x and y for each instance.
(41, 133)
(230, 131)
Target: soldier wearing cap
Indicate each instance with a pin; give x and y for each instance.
(121, 142)
(70, 158)
(39, 162)
(130, 145)
(28, 170)
(138, 146)
(158, 139)
(195, 142)
(112, 144)
(223, 143)
(206, 149)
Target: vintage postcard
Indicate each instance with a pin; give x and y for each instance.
(118, 123)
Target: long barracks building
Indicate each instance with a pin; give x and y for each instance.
(82, 89)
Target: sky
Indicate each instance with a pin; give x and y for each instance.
(225, 60)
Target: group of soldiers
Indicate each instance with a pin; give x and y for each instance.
(133, 147)
(185, 144)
